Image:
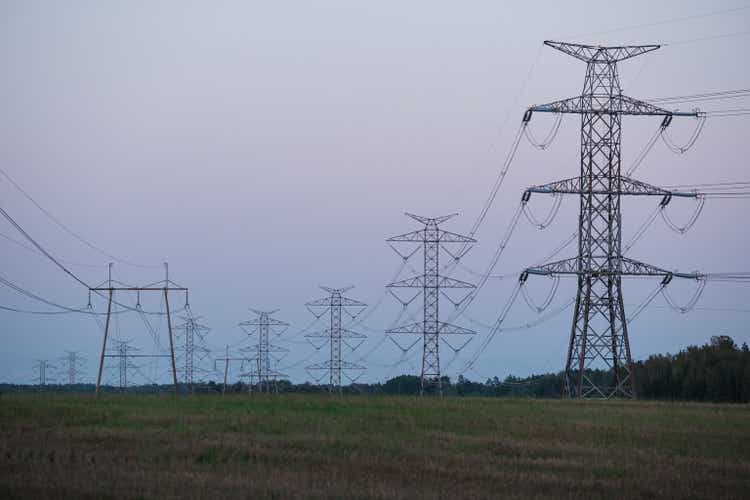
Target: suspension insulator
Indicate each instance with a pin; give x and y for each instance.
(665, 201)
(523, 277)
(526, 196)
(666, 121)
(667, 279)
(527, 116)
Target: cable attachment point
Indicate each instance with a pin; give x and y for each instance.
(523, 277)
(527, 115)
(666, 121)
(665, 201)
(525, 197)
(667, 279)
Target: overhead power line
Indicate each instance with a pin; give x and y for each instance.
(707, 38)
(662, 22)
(65, 228)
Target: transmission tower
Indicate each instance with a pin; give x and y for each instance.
(42, 367)
(73, 364)
(190, 329)
(111, 286)
(122, 351)
(336, 304)
(599, 335)
(432, 283)
(264, 350)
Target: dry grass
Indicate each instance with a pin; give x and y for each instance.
(368, 447)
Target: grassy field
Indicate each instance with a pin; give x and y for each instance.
(317, 446)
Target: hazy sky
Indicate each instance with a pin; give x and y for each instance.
(266, 148)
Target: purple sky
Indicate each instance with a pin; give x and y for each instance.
(266, 148)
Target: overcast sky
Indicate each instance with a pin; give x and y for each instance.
(266, 148)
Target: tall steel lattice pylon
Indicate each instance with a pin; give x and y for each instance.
(73, 364)
(599, 335)
(190, 329)
(265, 351)
(432, 283)
(123, 351)
(335, 335)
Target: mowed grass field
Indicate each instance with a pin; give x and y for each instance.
(319, 446)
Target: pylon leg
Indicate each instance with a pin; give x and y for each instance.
(104, 344)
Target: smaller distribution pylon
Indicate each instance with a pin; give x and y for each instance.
(43, 369)
(227, 359)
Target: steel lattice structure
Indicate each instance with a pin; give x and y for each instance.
(432, 239)
(336, 303)
(264, 351)
(73, 363)
(122, 351)
(190, 328)
(599, 335)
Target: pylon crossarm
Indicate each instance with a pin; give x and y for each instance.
(408, 328)
(325, 365)
(349, 334)
(259, 312)
(347, 302)
(624, 186)
(351, 366)
(321, 334)
(627, 267)
(413, 282)
(598, 53)
(606, 105)
(430, 220)
(324, 302)
(449, 237)
(421, 281)
(336, 291)
(449, 329)
(413, 236)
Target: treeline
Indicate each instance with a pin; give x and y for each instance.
(718, 371)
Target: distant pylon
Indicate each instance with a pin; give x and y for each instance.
(73, 363)
(336, 304)
(264, 351)
(185, 341)
(227, 359)
(599, 335)
(43, 367)
(432, 283)
(123, 352)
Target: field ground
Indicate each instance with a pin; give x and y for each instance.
(295, 446)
